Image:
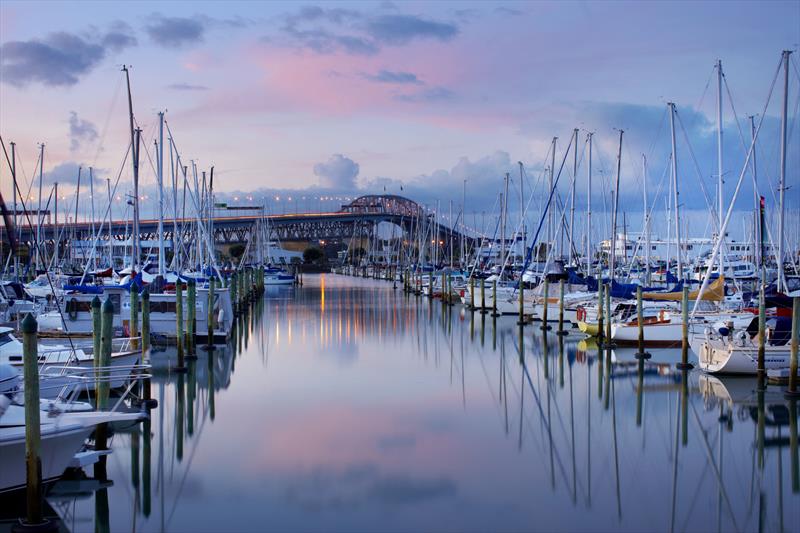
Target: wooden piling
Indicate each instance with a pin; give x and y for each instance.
(97, 330)
(234, 294)
(210, 311)
(609, 341)
(792, 392)
(472, 293)
(545, 326)
(685, 364)
(762, 337)
(146, 391)
(561, 308)
(641, 354)
(105, 353)
(483, 296)
(600, 304)
(521, 302)
(494, 299)
(191, 326)
(33, 437)
(133, 325)
(181, 365)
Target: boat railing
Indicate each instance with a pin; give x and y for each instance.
(66, 355)
(71, 381)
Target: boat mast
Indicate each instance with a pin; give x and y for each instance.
(463, 225)
(55, 229)
(550, 188)
(39, 209)
(503, 251)
(782, 187)
(756, 198)
(14, 179)
(160, 171)
(612, 262)
(91, 194)
(450, 232)
(675, 190)
(589, 206)
(174, 175)
(572, 200)
(110, 221)
(646, 223)
(720, 191)
(522, 212)
(135, 137)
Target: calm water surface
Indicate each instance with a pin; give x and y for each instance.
(346, 405)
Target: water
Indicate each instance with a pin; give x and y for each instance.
(346, 405)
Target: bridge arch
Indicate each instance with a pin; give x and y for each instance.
(383, 204)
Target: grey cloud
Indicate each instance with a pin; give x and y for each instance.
(187, 87)
(60, 58)
(399, 77)
(119, 37)
(337, 172)
(175, 32)
(401, 29)
(323, 41)
(66, 173)
(434, 94)
(80, 131)
(325, 30)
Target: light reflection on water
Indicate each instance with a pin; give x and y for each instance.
(346, 405)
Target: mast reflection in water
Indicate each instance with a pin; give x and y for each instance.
(347, 405)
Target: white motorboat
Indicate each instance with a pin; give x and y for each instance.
(724, 350)
(77, 311)
(52, 359)
(63, 433)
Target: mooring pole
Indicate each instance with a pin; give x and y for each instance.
(685, 364)
(600, 304)
(97, 343)
(641, 354)
(494, 299)
(192, 312)
(146, 392)
(105, 353)
(545, 326)
(181, 366)
(792, 392)
(561, 308)
(33, 464)
(210, 310)
(133, 326)
(762, 337)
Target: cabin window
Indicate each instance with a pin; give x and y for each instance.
(162, 307)
(5, 338)
(116, 302)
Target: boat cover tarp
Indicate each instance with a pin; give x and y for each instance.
(714, 292)
(85, 289)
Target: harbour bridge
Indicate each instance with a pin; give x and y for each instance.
(357, 220)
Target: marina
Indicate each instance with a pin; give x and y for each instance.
(255, 300)
(371, 403)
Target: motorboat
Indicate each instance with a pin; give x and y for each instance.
(723, 349)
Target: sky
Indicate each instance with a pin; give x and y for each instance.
(337, 99)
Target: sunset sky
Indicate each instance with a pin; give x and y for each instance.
(353, 97)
